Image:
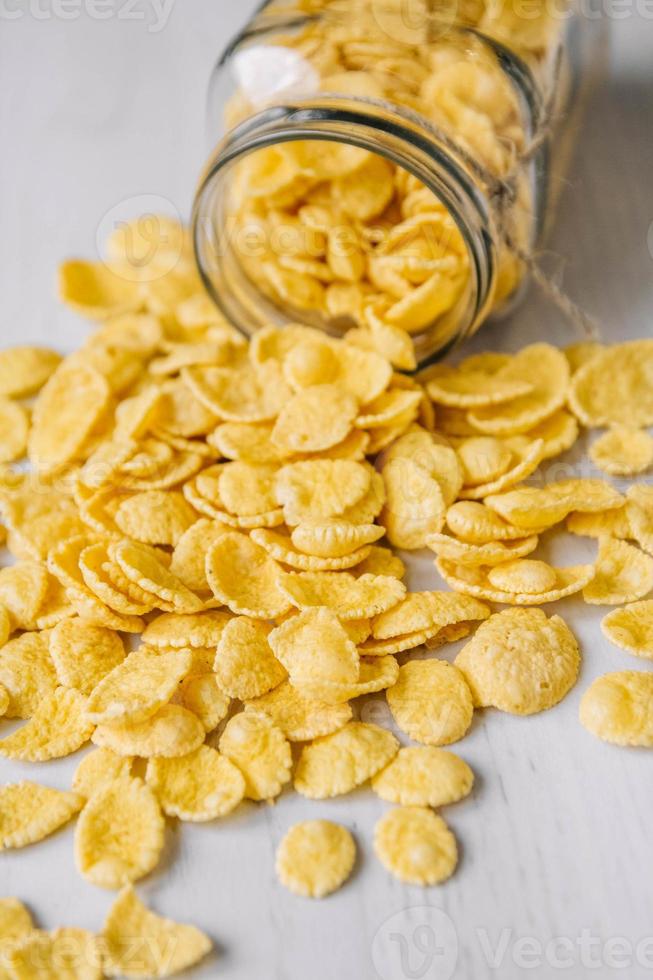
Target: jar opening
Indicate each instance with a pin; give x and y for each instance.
(352, 143)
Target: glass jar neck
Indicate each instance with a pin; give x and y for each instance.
(380, 128)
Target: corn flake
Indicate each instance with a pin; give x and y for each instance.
(23, 370)
(155, 517)
(533, 508)
(66, 411)
(338, 763)
(415, 507)
(423, 775)
(315, 858)
(29, 812)
(631, 628)
(244, 577)
(314, 648)
(491, 553)
(57, 728)
(415, 845)
(201, 694)
(280, 547)
(14, 426)
(520, 661)
(315, 489)
(99, 768)
(202, 785)
(84, 654)
(431, 702)
(135, 689)
(315, 419)
(27, 673)
(623, 450)
(300, 718)
(171, 732)
(260, 750)
(526, 575)
(623, 573)
(245, 665)
(112, 853)
(69, 954)
(546, 369)
(195, 630)
(139, 944)
(189, 556)
(334, 538)
(615, 386)
(350, 597)
(617, 708)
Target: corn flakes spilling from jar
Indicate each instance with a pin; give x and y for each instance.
(203, 575)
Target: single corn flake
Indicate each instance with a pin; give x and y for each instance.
(189, 556)
(472, 521)
(244, 577)
(280, 547)
(247, 489)
(531, 577)
(613, 523)
(338, 763)
(520, 661)
(381, 561)
(96, 291)
(260, 750)
(315, 858)
(202, 694)
(491, 553)
(23, 591)
(143, 565)
(138, 687)
(66, 411)
(349, 597)
(617, 708)
(84, 654)
(23, 370)
(415, 507)
(615, 386)
(312, 490)
(546, 369)
(623, 450)
(623, 573)
(301, 719)
(631, 628)
(27, 673)
(139, 944)
(14, 426)
(423, 775)
(70, 953)
(112, 852)
(525, 459)
(334, 538)
(431, 702)
(194, 630)
(315, 419)
(99, 768)
(242, 394)
(15, 925)
(58, 727)
(171, 732)
(200, 786)
(415, 845)
(29, 812)
(483, 459)
(314, 648)
(245, 665)
(155, 517)
(439, 459)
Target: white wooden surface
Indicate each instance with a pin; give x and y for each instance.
(555, 874)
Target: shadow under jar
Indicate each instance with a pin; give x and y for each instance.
(385, 166)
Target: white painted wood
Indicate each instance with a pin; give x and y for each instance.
(556, 840)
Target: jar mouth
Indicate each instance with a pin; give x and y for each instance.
(383, 129)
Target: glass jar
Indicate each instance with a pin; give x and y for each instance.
(386, 168)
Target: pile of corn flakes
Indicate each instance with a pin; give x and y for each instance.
(205, 584)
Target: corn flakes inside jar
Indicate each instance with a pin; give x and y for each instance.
(386, 167)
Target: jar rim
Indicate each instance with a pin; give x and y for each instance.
(383, 129)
